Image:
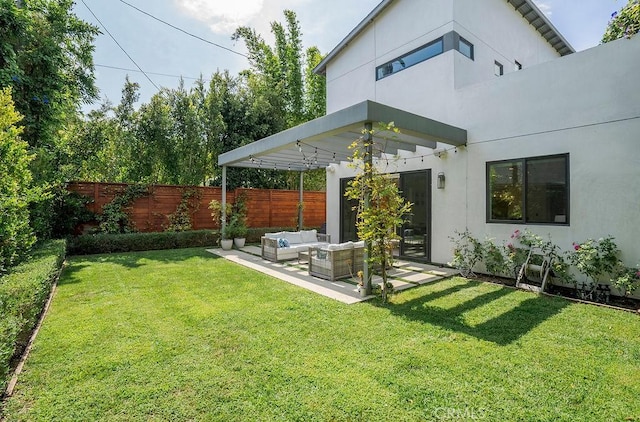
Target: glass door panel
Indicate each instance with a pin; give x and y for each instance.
(416, 232)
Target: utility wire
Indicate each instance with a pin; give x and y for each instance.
(183, 31)
(121, 48)
(150, 73)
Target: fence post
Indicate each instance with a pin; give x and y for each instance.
(270, 208)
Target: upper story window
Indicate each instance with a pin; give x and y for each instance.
(465, 47)
(518, 65)
(498, 69)
(421, 54)
(529, 190)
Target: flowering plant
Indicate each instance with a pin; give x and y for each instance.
(596, 258)
(467, 252)
(627, 279)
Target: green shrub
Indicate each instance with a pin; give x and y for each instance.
(23, 293)
(130, 242)
(16, 236)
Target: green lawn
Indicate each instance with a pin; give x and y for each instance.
(183, 335)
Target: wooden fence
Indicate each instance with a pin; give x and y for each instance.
(265, 208)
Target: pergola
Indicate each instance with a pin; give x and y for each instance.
(326, 140)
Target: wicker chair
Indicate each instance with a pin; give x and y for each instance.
(334, 262)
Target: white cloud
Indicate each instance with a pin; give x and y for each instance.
(544, 7)
(222, 16)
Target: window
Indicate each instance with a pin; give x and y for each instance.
(529, 190)
(498, 69)
(416, 56)
(465, 47)
(518, 65)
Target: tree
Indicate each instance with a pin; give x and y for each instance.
(15, 234)
(287, 71)
(381, 207)
(48, 60)
(625, 23)
(46, 57)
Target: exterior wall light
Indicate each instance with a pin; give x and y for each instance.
(441, 178)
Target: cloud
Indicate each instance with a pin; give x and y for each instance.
(544, 7)
(222, 16)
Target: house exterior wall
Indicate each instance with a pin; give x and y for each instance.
(495, 28)
(499, 33)
(586, 105)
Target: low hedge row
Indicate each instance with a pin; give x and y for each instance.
(134, 242)
(23, 294)
(131, 242)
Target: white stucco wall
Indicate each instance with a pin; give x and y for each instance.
(403, 26)
(498, 33)
(496, 29)
(586, 104)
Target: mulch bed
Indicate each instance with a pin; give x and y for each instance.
(625, 303)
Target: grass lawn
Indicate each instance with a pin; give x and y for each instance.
(183, 335)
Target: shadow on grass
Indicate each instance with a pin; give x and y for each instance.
(503, 329)
(131, 260)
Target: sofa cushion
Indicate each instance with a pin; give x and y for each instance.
(309, 236)
(340, 246)
(273, 235)
(293, 237)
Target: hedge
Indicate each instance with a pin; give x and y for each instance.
(23, 294)
(134, 242)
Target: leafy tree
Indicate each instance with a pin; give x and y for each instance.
(48, 59)
(15, 234)
(381, 207)
(287, 72)
(625, 23)
(283, 68)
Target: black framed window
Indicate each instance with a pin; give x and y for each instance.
(419, 55)
(498, 69)
(529, 190)
(465, 47)
(518, 65)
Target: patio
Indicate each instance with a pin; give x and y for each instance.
(404, 275)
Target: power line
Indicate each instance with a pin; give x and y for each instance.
(121, 48)
(183, 31)
(150, 73)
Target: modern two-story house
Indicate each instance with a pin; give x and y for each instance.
(503, 126)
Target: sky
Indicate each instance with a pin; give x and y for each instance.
(159, 49)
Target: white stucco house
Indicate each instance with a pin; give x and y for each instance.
(491, 100)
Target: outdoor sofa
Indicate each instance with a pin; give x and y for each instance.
(333, 262)
(282, 246)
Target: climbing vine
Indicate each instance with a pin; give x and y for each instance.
(182, 219)
(115, 216)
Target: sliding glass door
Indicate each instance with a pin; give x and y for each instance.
(415, 234)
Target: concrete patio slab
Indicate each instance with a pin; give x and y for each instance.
(403, 276)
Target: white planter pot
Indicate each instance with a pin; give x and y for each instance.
(226, 244)
(239, 242)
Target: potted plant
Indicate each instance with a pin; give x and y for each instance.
(226, 234)
(226, 239)
(238, 220)
(237, 230)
